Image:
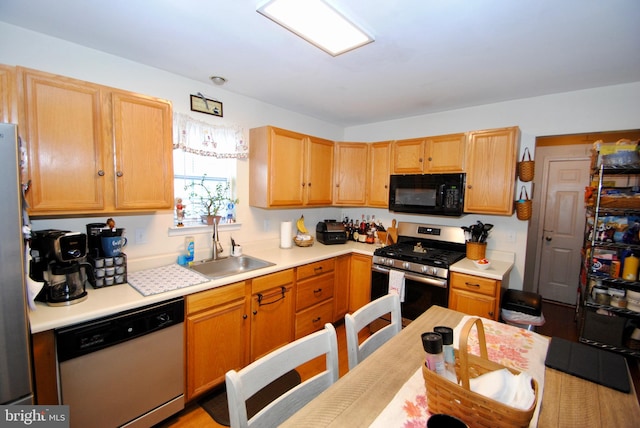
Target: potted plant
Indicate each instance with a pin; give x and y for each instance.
(211, 200)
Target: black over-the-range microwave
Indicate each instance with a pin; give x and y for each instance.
(432, 194)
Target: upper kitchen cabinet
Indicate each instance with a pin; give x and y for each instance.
(378, 172)
(7, 94)
(408, 156)
(491, 170)
(94, 149)
(288, 169)
(429, 155)
(143, 146)
(350, 173)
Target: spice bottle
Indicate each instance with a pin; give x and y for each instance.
(447, 350)
(434, 359)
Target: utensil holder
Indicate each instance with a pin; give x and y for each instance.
(476, 250)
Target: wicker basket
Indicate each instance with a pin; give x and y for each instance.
(524, 206)
(476, 250)
(303, 242)
(526, 167)
(444, 396)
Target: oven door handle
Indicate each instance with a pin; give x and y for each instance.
(422, 279)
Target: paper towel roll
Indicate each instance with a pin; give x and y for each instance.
(286, 234)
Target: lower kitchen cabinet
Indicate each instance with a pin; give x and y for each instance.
(314, 296)
(475, 295)
(271, 312)
(359, 281)
(217, 328)
(341, 287)
(43, 346)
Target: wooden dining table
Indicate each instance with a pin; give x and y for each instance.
(359, 396)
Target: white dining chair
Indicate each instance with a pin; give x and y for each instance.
(354, 323)
(241, 385)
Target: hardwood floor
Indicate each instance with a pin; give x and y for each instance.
(560, 322)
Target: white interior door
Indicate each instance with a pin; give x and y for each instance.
(563, 228)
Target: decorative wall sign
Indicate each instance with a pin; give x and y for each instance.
(206, 105)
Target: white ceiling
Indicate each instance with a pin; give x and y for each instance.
(429, 55)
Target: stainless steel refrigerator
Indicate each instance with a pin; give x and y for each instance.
(15, 356)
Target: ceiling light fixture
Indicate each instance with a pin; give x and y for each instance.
(318, 23)
(218, 80)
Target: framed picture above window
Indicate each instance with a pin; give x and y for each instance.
(206, 105)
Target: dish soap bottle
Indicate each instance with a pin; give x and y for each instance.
(189, 246)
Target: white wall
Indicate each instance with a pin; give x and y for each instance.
(600, 109)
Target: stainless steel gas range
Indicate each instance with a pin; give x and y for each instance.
(423, 255)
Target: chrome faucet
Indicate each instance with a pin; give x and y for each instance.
(217, 246)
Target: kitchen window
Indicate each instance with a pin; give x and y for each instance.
(189, 168)
(204, 151)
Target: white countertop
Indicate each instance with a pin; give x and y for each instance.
(111, 300)
(498, 269)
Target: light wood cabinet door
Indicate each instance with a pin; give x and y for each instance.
(445, 153)
(318, 172)
(342, 277)
(8, 108)
(408, 156)
(359, 282)
(491, 159)
(142, 142)
(272, 312)
(63, 132)
(378, 172)
(350, 173)
(472, 304)
(288, 169)
(217, 330)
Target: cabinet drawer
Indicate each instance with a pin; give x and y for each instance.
(314, 318)
(476, 284)
(317, 268)
(314, 291)
(277, 279)
(214, 297)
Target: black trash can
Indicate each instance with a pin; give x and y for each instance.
(522, 309)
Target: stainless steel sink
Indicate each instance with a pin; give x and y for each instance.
(229, 266)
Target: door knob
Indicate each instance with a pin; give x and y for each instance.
(548, 238)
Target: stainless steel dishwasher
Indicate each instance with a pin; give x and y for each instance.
(124, 370)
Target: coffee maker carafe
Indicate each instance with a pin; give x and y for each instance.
(58, 259)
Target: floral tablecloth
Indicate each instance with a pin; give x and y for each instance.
(510, 346)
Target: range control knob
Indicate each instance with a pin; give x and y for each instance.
(406, 265)
(389, 262)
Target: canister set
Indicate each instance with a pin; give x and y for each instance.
(616, 297)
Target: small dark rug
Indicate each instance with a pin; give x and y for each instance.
(216, 405)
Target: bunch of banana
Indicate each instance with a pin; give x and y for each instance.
(303, 232)
(302, 229)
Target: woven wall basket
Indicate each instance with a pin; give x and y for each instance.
(526, 166)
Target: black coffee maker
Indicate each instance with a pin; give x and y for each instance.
(59, 259)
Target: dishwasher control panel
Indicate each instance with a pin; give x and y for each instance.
(95, 335)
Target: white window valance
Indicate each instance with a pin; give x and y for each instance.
(202, 138)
